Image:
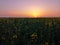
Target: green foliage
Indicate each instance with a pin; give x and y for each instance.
(29, 31)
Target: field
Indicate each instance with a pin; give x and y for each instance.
(29, 31)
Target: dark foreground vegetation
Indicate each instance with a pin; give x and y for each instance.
(29, 31)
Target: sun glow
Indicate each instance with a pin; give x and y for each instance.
(35, 12)
(30, 12)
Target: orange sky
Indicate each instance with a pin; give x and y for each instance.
(30, 8)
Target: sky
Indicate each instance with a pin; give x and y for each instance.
(29, 8)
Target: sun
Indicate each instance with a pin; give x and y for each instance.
(35, 12)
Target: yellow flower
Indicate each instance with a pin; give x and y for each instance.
(14, 36)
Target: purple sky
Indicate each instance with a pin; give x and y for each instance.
(24, 8)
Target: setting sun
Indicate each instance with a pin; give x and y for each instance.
(35, 12)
